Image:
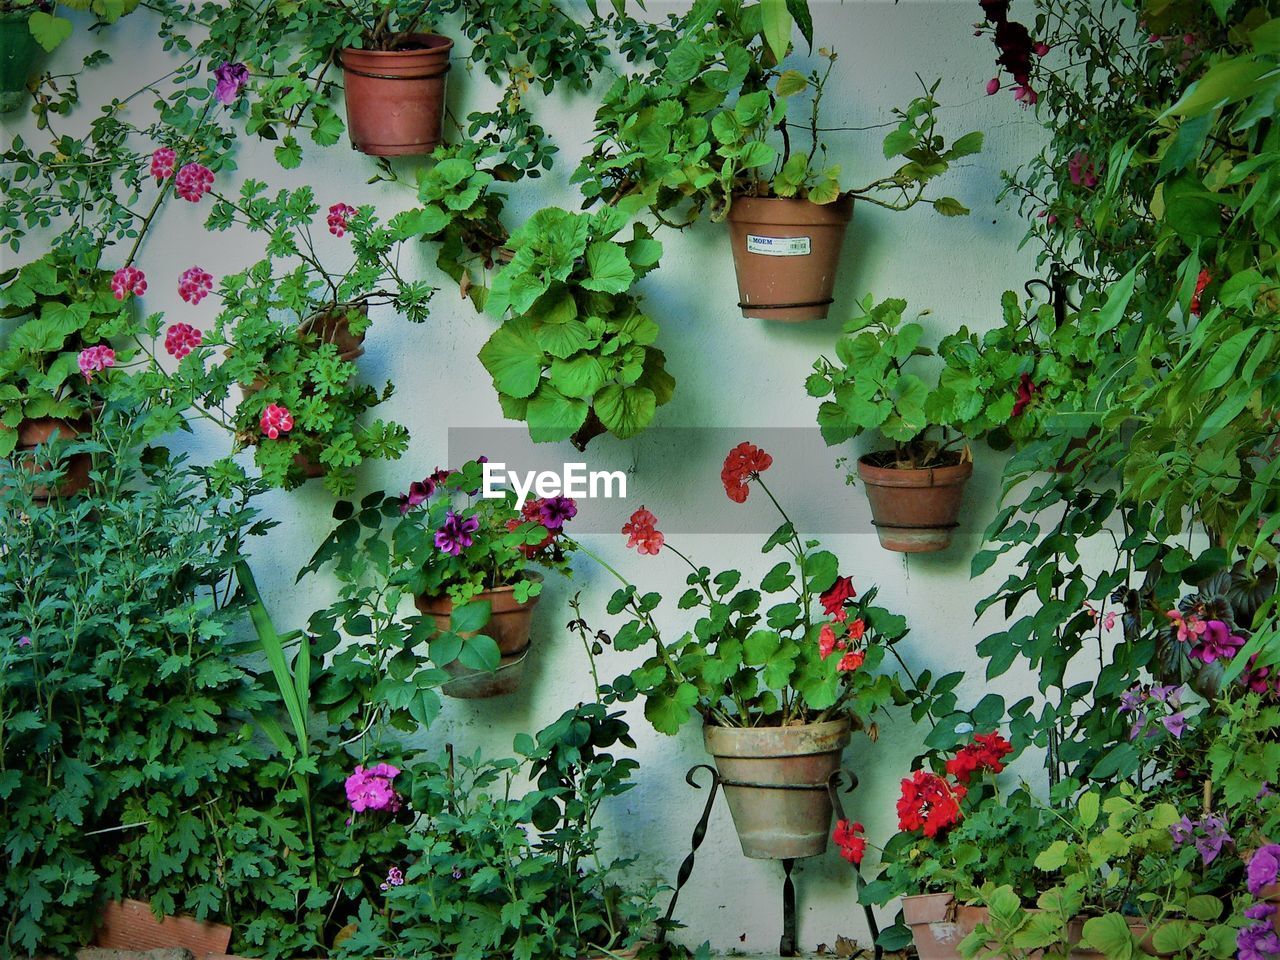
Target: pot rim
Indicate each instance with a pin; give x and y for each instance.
(827, 736)
(436, 44)
(533, 575)
(790, 211)
(944, 476)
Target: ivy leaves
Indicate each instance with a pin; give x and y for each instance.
(576, 343)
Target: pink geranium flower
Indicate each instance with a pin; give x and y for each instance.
(275, 421)
(181, 338)
(194, 285)
(194, 180)
(95, 359)
(128, 280)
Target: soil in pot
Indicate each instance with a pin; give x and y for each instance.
(786, 254)
(395, 98)
(938, 923)
(18, 55)
(914, 511)
(32, 433)
(775, 780)
(509, 626)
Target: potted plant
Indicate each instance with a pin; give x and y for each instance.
(779, 689)
(59, 319)
(393, 78)
(469, 563)
(713, 129)
(916, 488)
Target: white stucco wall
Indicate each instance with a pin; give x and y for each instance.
(731, 372)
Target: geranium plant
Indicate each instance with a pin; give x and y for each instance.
(817, 653)
(59, 319)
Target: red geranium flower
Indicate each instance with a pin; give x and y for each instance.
(987, 752)
(1026, 393)
(848, 837)
(856, 629)
(834, 597)
(826, 641)
(744, 462)
(851, 661)
(928, 803)
(642, 532)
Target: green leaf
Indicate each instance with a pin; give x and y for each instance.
(580, 376)
(514, 359)
(790, 82)
(950, 207)
(1224, 82)
(289, 153)
(552, 416)
(470, 617)
(776, 25)
(610, 270)
(1222, 362)
(804, 19)
(625, 411)
(48, 30)
(1111, 936)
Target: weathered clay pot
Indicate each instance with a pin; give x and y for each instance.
(32, 433)
(786, 254)
(130, 925)
(938, 923)
(18, 54)
(914, 511)
(775, 779)
(508, 626)
(395, 98)
(334, 326)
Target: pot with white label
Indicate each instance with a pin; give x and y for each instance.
(786, 254)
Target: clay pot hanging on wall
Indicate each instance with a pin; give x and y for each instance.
(786, 254)
(395, 98)
(914, 511)
(39, 430)
(18, 54)
(775, 780)
(508, 627)
(938, 923)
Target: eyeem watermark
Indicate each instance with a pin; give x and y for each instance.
(574, 480)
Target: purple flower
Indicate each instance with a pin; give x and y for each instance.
(1257, 942)
(232, 78)
(1214, 839)
(394, 879)
(371, 789)
(455, 534)
(1217, 642)
(1260, 911)
(1264, 867)
(1182, 831)
(1170, 694)
(1139, 722)
(556, 510)
(1175, 723)
(24, 641)
(419, 493)
(457, 874)
(1131, 699)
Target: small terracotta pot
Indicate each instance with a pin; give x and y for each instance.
(775, 780)
(914, 511)
(509, 626)
(18, 55)
(130, 925)
(938, 923)
(786, 254)
(395, 98)
(334, 326)
(32, 433)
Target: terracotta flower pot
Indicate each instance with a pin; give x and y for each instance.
(18, 55)
(914, 511)
(775, 780)
(508, 626)
(130, 925)
(786, 254)
(938, 923)
(334, 326)
(395, 98)
(32, 433)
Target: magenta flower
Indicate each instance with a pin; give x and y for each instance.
(1264, 868)
(993, 86)
(1189, 628)
(419, 492)
(1175, 723)
(24, 641)
(1082, 170)
(194, 285)
(1041, 49)
(194, 180)
(339, 215)
(1216, 643)
(1258, 941)
(94, 359)
(455, 534)
(372, 789)
(232, 78)
(181, 338)
(275, 421)
(394, 879)
(555, 511)
(162, 162)
(1260, 911)
(128, 280)
(1026, 96)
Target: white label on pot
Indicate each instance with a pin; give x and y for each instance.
(779, 246)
